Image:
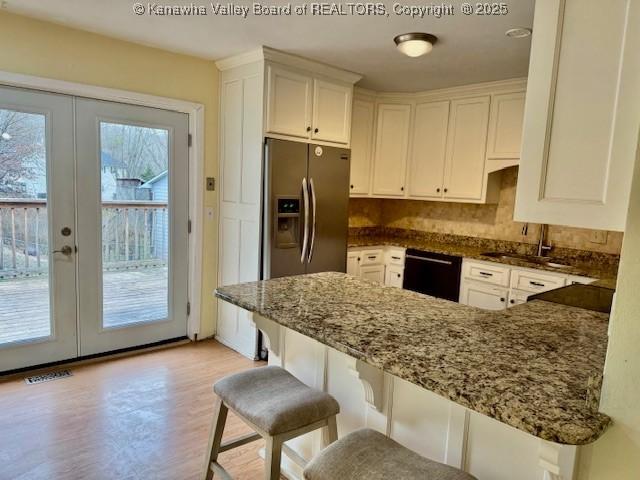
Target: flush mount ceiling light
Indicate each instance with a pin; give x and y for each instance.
(5, 136)
(519, 32)
(415, 44)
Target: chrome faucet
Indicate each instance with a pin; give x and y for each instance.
(542, 248)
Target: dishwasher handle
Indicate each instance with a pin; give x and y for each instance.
(432, 260)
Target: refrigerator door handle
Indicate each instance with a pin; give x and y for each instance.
(305, 238)
(313, 224)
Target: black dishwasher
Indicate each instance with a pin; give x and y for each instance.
(433, 274)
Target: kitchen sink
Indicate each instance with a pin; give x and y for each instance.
(546, 261)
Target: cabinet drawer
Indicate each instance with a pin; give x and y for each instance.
(529, 281)
(486, 272)
(371, 257)
(395, 256)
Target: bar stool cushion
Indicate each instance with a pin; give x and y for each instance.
(367, 454)
(274, 400)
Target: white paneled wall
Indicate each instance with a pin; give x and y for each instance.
(241, 171)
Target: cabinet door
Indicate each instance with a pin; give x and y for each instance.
(517, 298)
(288, 103)
(393, 276)
(361, 143)
(374, 273)
(582, 114)
(392, 140)
(353, 263)
(466, 147)
(505, 126)
(483, 296)
(428, 151)
(331, 111)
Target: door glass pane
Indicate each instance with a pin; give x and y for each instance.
(24, 242)
(135, 223)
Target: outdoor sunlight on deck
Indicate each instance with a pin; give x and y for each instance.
(131, 296)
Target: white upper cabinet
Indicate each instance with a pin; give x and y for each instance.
(428, 152)
(391, 146)
(331, 111)
(289, 102)
(505, 126)
(582, 114)
(306, 108)
(361, 142)
(466, 147)
(438, 145)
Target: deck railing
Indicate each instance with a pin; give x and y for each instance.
(134, 233)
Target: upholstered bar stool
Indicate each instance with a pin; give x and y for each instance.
(367, 454)
(277, 406)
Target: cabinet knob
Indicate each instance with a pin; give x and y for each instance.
(438, 190)
(316, 131)
(358, 258)
(398, 275)
(512, 301)
(351, 186)
(446, 190)
(308, 129)
(402, 189)
(502, 299)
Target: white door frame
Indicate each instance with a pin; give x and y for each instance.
(196, 160)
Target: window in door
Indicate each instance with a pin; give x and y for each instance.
(24, 240)
(135, 223)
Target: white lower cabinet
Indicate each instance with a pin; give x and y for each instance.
(493, 286)
(384, 265)
(353, 263)
(375, 273)
(394, 276)
(484, 296)
(517, 298)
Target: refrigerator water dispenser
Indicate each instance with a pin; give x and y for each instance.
(287, 225)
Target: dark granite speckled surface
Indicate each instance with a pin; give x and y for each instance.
(604, 267)
(537, 367)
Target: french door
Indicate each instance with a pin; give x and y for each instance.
(93, 226)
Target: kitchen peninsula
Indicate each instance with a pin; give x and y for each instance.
(453, 382)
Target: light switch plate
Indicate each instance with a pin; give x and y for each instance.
(211, 184)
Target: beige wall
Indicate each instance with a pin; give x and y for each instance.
(616, 456)
(486, 221)
(47, 50)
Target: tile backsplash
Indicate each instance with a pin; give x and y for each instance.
(485, 221)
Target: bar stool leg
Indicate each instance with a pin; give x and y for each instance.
(215, 437)
(330, 432)
(273, 456)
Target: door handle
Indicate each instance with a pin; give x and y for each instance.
(313, 223)
(305, 200)
(65, 250)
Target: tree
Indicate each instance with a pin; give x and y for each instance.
(22, 151)
(141, 152)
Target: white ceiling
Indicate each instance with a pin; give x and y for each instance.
(471, 48)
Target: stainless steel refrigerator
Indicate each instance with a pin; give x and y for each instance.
(305, 216)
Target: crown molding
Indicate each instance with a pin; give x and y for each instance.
(276, 56)
(245, 58)
(484, 88)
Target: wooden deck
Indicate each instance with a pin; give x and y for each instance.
(130, 296)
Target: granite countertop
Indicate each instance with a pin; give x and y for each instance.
(605, 273)
(537, 366)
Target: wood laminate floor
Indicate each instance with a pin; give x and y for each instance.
(141, 417)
